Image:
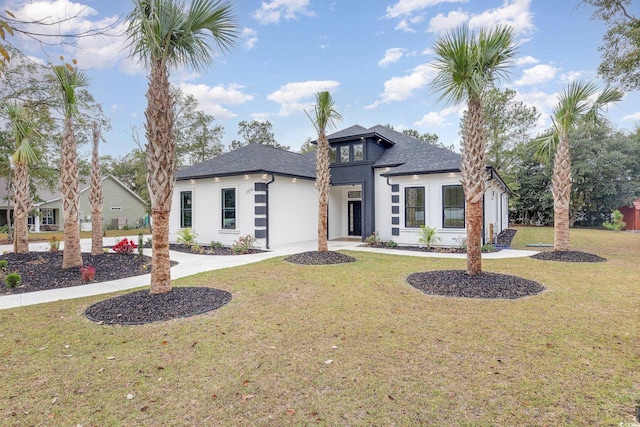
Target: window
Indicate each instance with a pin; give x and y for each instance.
(413, 207)
(48, 217)
(332, 154)
(344, 154)
(358, 153)
(229, 208)
(186, 209)
(452, 206)
(354, 194)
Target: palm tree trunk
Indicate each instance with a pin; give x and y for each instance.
(474, 176)
(322, 184)
(561, 189)
(95, 196)
(161, 163)
(22, 205)
(72, 255)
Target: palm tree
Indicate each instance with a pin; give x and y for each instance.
(69, 79)
(164, 35)
(23, 128)
(579, 103)
(95, 195)
(325, 116)
(467, 66)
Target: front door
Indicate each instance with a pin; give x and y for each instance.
(355, 217)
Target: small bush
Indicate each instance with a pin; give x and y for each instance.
(13, 280)
(88, 273)
(54, 244)
(427, 236)
(373, 240)
(616, 223)
(216, 245)
(3, 264)
(124, 246)
(186, 236)
(140, 243)
(391, 244)
(488, 248)
(244, 244)
(148, 242)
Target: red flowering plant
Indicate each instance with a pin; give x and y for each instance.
(124, 246)
(88, 273)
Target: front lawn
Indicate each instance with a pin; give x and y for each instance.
(349, 344)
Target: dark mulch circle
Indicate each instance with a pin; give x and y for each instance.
(43, 270)
(568, 256)
(506, 237)
(456, 283)
(319, 258)
(208, 250)
(141, 307)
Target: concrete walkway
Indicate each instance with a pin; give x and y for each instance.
(190, 264)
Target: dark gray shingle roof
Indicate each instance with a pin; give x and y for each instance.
(410, 155)
(252, 158)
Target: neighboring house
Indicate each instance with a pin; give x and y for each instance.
(121, 207)
(382, 181)
(631, 215)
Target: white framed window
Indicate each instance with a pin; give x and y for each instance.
(414, 207)
(229, 213)
(452, 206)
(186, 209)
(48, 216)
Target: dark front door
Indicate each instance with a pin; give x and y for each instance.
(355, 218)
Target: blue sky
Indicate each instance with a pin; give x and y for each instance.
(372, 55)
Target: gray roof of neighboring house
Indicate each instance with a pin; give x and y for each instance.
(253, 158)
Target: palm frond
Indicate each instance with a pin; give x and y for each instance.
(69, 79)
(325, 115)
(23, 128)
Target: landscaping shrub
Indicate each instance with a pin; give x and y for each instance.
(88, 273)
(216, 245)
(124, 246)
(13, 280)
(140, 243)
(3, 264)
(391, 244)
(186, 236)
(616, 223)
(373, 240)
(54, 244)
(427, 236)
(244, 244)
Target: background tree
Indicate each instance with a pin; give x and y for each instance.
(130, 169)
(621, 43)
(574, 107)
(164, 35)
(69, 79)
(256, 132)
(467, 66)
(197, 137)
(307, 147)
(96, 198)
(323, 118)
(23, 131)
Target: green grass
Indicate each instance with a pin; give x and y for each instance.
(569, 356)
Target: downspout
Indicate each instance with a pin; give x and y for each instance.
(273, 178)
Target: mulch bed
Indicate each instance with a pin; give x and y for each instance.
(568, 256)
(319, 258)
(207, 250)
(506, 237)
(142, 307)
(456, 283)
(43, 270)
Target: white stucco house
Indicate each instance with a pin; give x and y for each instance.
(382, 181)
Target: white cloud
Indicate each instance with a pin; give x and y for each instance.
(540, 73)
(516, 13)
(526, 60)
(544, 103)
(211, 99)
(427, 51)
(434, 119)
(409, 7)
(250, 37)
(441, 23)
(296, 96)
(66, 17)
(271, 12)
(571, 76)
(391, 56)
(403, 25)
(401, 88)
(631, 117)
